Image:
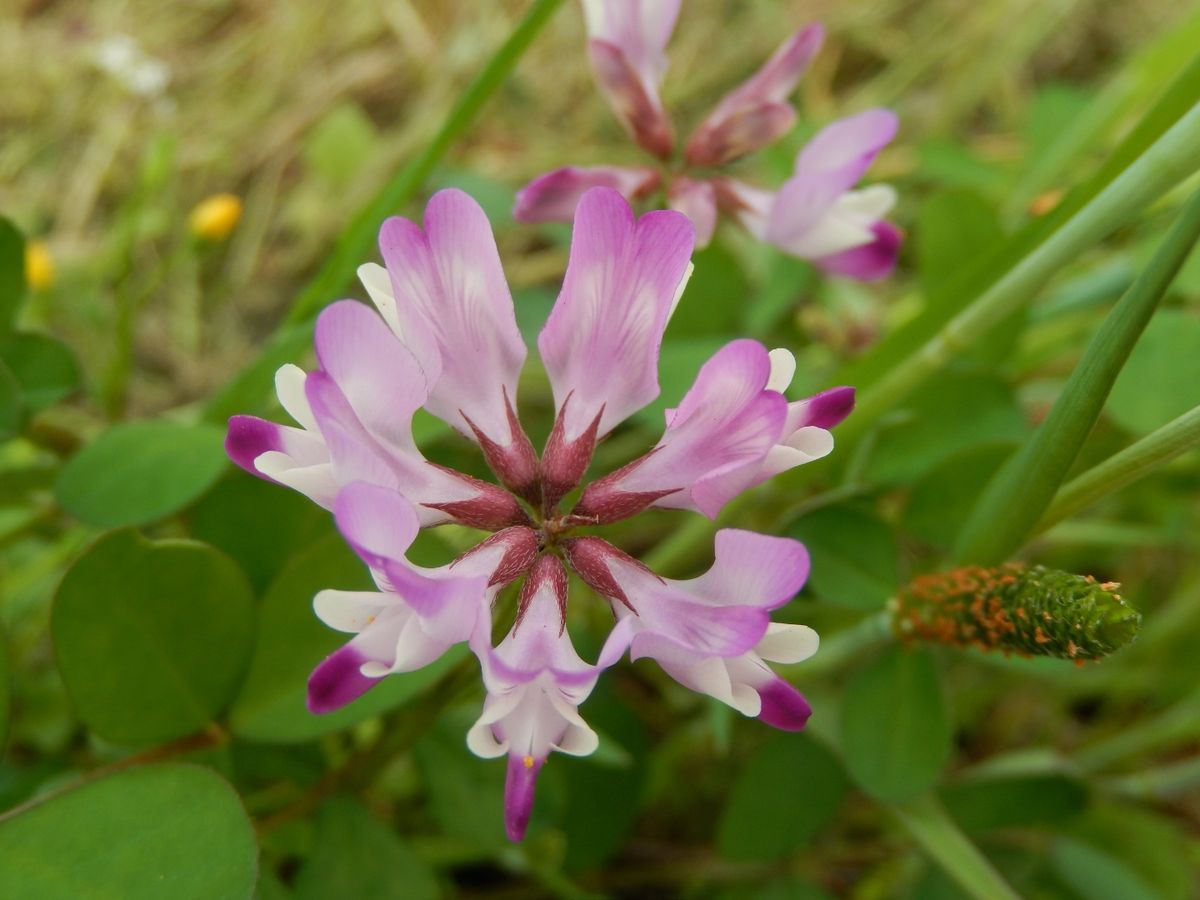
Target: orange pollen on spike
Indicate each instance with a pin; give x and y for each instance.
(528, 761)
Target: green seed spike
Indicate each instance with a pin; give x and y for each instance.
(1014, 608)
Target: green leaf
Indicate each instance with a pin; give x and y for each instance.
(998, 526)
(945, 417)
(602, 801)
(356, 856)
(292, 641)
(953, 227)
(1035, 240)
(1121, 469)
(939, 504)
(854, 556)
(895, 733)
(1159, 381)
(45, 368)
(940, 837)
(12, 274)
(784, 795)
(466, 794)
(715, 297)
(1094, 875)
(1152, 845)
(259, 523)
(5, 690)
(151, 637)
(780, 889)
(175, 831)
(1023, 801)
(340, 144)
(10, 403)
(142, 471)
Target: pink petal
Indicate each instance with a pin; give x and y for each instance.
(714, 445)
(552, 197)
(756, 114)
(698, 201)
(451, 294)
(377, 374)
(826, 169)
(754, 569)
(380, 525)
(600, 344)
(724, 612)
(627, 43)
(845, 149)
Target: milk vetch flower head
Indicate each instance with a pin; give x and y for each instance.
(444, 338)
(817, 214)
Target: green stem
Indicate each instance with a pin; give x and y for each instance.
(929, 823)
(871, 631)
(1134, 462)
(1160, 783)
(1176, 725)
(1168, 161)
(246, 390)
(998, 526)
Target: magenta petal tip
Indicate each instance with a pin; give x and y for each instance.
(337, 681)
(519, 789)
(247, 438)
(783, 706)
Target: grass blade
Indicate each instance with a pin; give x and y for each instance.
(1122, 469)
(1016, 498)
(929, 823)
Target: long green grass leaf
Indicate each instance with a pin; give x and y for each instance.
(1016, 498)
(955, 294)
(1122, 469)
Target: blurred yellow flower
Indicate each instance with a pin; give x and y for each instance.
(1043, 204)
(215, 217)
(39, 265)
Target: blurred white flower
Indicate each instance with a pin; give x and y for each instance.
(122, 57)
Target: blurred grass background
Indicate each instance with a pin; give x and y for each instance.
(303, 109)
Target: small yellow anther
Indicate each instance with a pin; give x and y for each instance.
(528, 761)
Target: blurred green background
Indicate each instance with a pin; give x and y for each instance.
(1076, 783)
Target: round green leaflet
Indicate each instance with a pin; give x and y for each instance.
(895, 734)
(152, 638)
(168, 830)
(45, 369)
(139, 472)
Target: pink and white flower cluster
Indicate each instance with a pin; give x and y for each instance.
(816, 215)
(444, 337)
